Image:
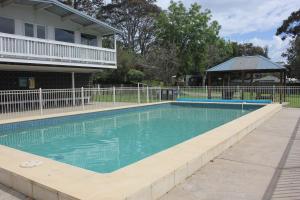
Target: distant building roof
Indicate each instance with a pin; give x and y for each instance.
(268, 78)
(247, 63)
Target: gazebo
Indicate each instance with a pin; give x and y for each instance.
(245, 65)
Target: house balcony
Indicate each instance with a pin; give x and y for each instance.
(18, 49)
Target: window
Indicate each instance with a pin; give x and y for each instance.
(64, 35)
(41, 32)
(29, 30)
(23, 82)
(88, 39)
(7, 25)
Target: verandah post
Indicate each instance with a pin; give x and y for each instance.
(41, 101)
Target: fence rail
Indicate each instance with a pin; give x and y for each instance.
(46, 101)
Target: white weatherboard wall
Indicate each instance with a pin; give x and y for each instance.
(27, 14)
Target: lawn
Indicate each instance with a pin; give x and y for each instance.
(293, 100)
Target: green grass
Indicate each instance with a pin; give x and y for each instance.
(132, 97)
(292, 100)
(126, 98)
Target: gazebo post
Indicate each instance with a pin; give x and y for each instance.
(243, 80)
(209, 86)
(251, 84)
(223, 86)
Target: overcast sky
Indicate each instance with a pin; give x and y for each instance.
(253, 21)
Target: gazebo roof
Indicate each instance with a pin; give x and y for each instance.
(247, 63)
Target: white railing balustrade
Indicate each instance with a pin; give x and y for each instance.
(15, 103)
(21, 47)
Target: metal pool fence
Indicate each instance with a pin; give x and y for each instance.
(15, 103)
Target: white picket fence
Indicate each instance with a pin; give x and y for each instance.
(15, 103)
(46, 101)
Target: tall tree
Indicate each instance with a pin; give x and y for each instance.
(90, 7)
(290, 28)
(248, 49)
(191, 32)
(135, 18)
(165, 62)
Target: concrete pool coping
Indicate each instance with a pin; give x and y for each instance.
(149, 178)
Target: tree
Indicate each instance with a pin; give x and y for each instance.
(248, 49)
(219, 52)
(127, 60)
(135, 18)
(290, 28)
(90, 7)
(135, 76)
(190, 32)
(164, 62)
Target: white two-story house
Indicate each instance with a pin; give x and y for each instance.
(46, 44)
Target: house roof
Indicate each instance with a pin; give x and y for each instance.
(68, 13)
(247, 63)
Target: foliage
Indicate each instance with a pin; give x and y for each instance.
(165, 62)
(219, 52)
(90, 7)
(126, 61)
(157, 45)
(190, 31)
(290, 28)
(135, 76)
(248, 49)
(135, 18)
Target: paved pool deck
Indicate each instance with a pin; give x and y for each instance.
(264, 165)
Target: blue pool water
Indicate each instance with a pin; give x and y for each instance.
(106, 141)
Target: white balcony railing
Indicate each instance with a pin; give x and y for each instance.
(27, 48)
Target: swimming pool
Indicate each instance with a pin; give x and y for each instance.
(106, 141)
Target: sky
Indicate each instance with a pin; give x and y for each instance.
(254, 21)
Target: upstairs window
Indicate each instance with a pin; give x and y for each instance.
(29, 30)
(88, 39)
(64, 35)
(41, 32)
(7, 25)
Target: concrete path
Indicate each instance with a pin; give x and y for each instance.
(245, 171)
(264, 165)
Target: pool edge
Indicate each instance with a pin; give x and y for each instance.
(175, 165)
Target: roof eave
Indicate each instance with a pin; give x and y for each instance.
(81, 14)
